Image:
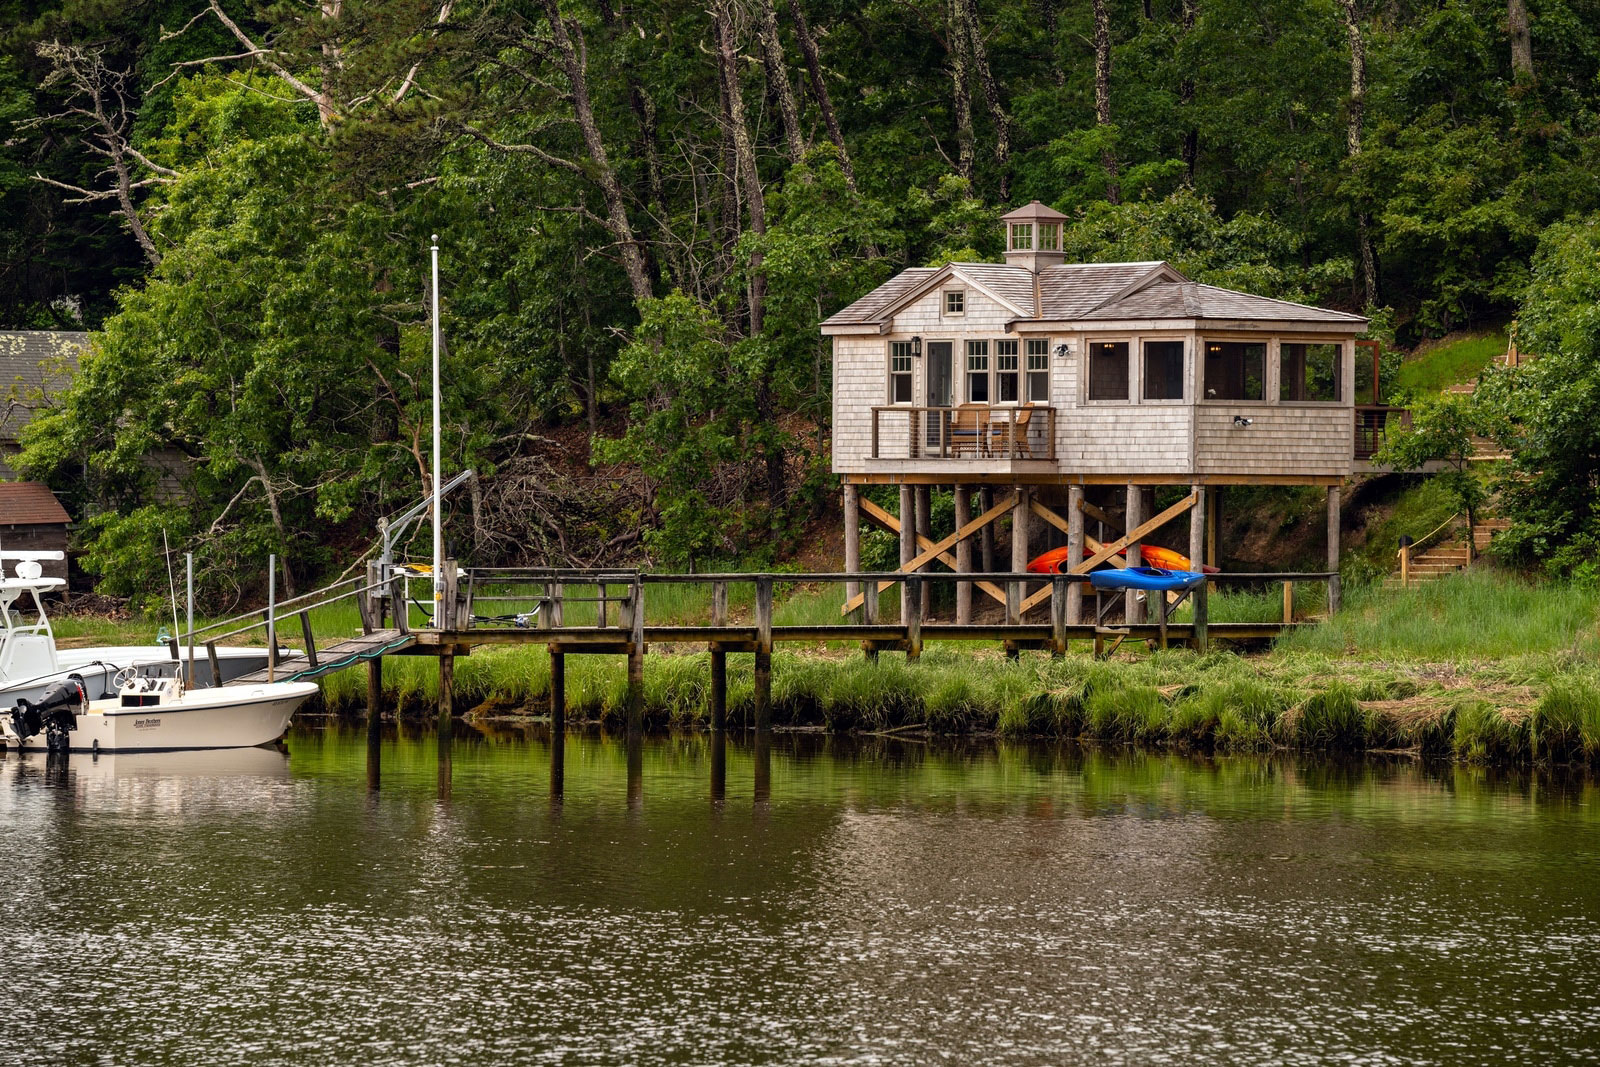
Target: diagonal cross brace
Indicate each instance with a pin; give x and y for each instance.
(933, 550)
(1105, 552)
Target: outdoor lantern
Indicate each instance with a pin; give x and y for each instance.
(916, 348)
(1063, 350)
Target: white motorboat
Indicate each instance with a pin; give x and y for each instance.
(153, 714)
(30, 661)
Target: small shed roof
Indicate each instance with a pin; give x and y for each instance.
(31, 362)
(30, 504)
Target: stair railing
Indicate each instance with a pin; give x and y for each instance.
(1409, 550)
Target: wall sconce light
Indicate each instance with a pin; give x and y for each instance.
(916, 348)
(1240, 422)
(1064, 349)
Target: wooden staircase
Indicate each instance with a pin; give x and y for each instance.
(1433, 557)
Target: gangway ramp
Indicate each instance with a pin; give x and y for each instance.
(335, 657)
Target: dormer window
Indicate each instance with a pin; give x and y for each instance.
(955, 302)
(1021, 236)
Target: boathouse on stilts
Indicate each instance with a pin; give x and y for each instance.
(1062, 396)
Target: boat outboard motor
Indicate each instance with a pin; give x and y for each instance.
(55, 712)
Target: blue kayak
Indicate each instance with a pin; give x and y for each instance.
(1146, 578)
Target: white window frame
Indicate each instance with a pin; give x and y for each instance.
(1015, 355)
(968, 373)
(910, 372)
(1028, 369)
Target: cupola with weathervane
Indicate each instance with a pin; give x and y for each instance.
(1033, 236)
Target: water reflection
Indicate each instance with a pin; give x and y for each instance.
(841, 900)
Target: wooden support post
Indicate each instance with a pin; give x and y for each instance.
(963, 556)
(374, 621)
(1213, 524)
(558, 721)
(311, 643)
(365, 599)
(1334, 501)
(636, 659)
(1059, 607)
(986, 502)
(1288, 603)
(852, 539)
(719, 659)
(763, 679)
(558, 605)
(215, 661)
(763, 768)
(914, 590)
(1015, 591)
(397, 601)
(908, 537)
(444, 609)
(1132, 607)
(447, 695)
(1074, 553)
(1197, 528)
(869, 616)
(924, 528)
(1405, 565)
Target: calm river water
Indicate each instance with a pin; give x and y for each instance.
(842, 902)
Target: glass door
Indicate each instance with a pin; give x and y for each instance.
(941, 392)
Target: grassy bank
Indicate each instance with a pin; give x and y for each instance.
(1481, 668)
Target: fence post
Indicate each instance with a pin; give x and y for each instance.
(1288, 603)
(1058, 615)
(1200, 598)
(311, 644)
(763, 653)
(913, 601)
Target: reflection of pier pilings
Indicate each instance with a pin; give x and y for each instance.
(558, 723)
(635, 771)
(719, 765)
(374, 758)
(763, 767)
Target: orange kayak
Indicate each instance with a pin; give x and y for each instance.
(1053, 561)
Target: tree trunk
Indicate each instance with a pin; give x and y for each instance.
(1191, 135)
(1102, 92)
(991, 95)
(332, 62)
(778, 82)
(1521, 40)
(1353, 140)
(744, 154)
(574, 62)
(961, 86)
(819, 89)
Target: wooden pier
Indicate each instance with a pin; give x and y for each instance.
(573, 612)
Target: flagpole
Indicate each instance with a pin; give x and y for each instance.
(438, 497)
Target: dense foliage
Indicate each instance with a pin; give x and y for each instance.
(647, 208)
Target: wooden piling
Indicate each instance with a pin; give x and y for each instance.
(719, 660)
(1074, 552)
(963, 497)
(447, 695)
(852, 540)
(915, 597)
(869, 616)
(925, 529)
(986, 536)
(908, 536)
(1335, 496)
(1132, 606)
(1288, 603)
(763, 679)
(1059, 589)
(636, 652)
(558, 721)
(719, 766)
(763, 767)
(1016, 591)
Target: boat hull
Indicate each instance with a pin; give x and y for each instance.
(231, 717)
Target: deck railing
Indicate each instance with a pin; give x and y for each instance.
(968, 432)
(1372, 422)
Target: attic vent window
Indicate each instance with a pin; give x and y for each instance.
(955, 302)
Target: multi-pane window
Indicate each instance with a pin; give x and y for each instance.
(1049, 236)
(1163, 370)
(1236, 370)
(899, 372)
(1108, 370)
(1007, 372)
(1310, 371)
(1038, 370)
(977, 372)
(955, 302)
(1021, 235)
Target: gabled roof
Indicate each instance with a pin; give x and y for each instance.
(33, 361)
(30, 504)
(1068, 292)
(1193, 300)
(1033, 211)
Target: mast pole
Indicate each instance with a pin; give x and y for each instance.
(438, 509)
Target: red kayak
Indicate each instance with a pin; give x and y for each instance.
(1055, 560)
